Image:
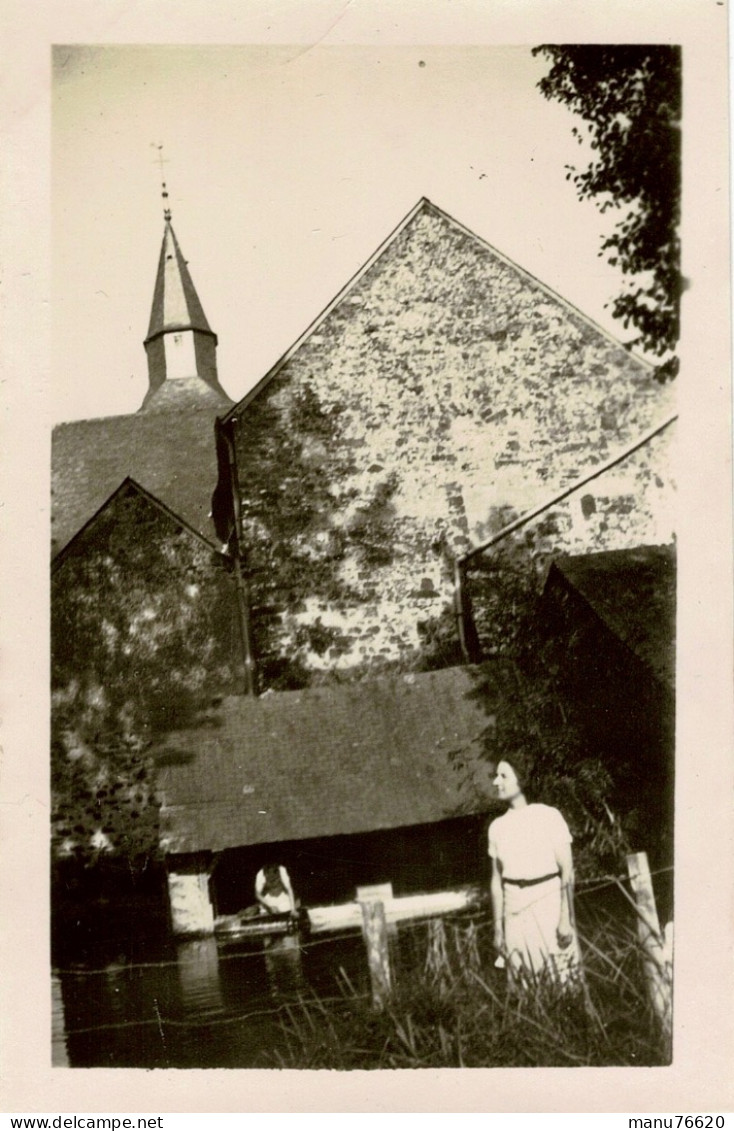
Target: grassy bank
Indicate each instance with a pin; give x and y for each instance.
(451, 1009)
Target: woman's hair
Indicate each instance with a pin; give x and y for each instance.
(523, 764)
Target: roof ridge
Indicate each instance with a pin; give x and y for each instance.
(392, 678)
(334, 302)
(423, 204)
(666, 547)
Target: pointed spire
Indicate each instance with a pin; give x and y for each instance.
(176, 305)
(180, 344)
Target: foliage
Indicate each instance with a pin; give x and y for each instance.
(103, 796)
(370, 527)
(629, 97)
(589, 722)
(439, 644)
(299, 525)
(143, 635)
(466, 1019)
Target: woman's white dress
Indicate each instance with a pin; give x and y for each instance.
(526, 843)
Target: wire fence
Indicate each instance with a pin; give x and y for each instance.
(581, 887)
(273, 1005)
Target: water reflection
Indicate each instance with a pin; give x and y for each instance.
(114, 988)
(196, 1004)
(284, 964)
(198, 972)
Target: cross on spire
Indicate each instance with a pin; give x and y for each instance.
(164, 190)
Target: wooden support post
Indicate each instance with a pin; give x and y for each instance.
(384, 893)
(374, 929)
(657, 951)
(192, 912)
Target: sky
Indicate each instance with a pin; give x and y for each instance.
(287, 166)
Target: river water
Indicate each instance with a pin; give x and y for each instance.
(145, 1000)
(202, 1003)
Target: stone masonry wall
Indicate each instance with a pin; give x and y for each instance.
(144, 633)
(446, 391)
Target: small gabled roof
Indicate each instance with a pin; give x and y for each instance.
(634, 593)
(351, 758)
(172, 456)
(126, 489)
(424, 205)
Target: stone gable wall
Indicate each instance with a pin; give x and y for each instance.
(144, 633)
(144, 619)
(446, 391)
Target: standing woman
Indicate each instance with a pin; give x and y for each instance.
(531, 885)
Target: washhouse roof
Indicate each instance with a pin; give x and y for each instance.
(402, 750)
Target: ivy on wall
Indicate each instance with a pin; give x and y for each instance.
(425, 386)
(300, 523)
(144, 634)
(590, 726)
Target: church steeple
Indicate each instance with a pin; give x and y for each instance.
(181, 345)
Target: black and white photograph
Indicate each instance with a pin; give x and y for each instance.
(366, 400)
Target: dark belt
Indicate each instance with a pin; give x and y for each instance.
(529, 883)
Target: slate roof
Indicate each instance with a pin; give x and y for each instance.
(185, 393)
(172, 456)
(331, 760)
(127, 490)
(176, 304)
(634, 594)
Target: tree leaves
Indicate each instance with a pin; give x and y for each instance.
(143, 635)
(629, 97)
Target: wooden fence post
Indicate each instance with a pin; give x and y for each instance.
(374, 929)
(372, 899)
(657, 961)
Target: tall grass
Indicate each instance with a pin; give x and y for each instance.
(451, 1009)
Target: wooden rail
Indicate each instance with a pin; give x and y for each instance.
(397, 909)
